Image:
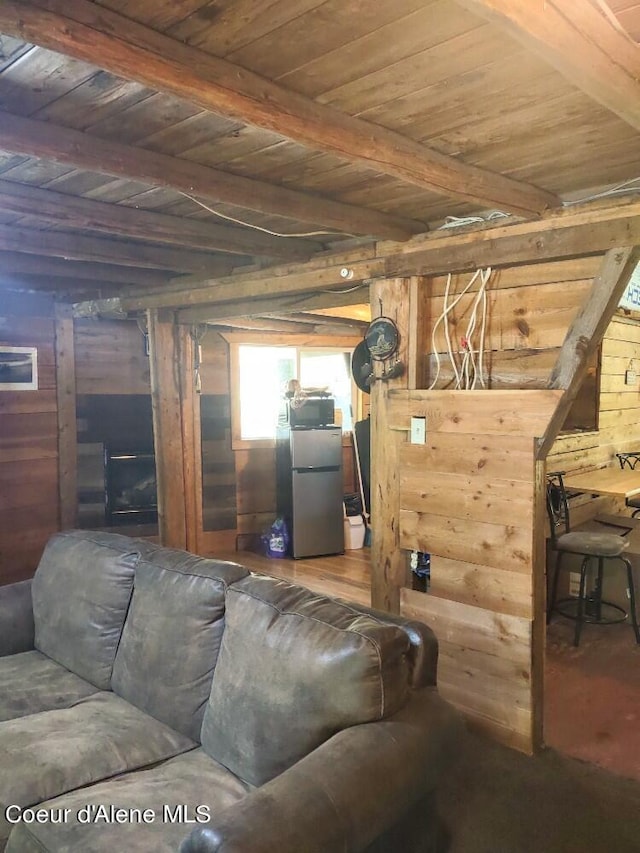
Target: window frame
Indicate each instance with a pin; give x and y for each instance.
(299, 342)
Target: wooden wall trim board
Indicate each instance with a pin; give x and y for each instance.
(66, 404)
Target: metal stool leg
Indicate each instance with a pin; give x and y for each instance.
(581, 597)
(632, 598)
(598, 590)
(554, 585)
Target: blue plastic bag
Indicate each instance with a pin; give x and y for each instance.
(277, 539)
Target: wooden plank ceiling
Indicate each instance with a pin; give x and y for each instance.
(330, 121)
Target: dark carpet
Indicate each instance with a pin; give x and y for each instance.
(496, 800)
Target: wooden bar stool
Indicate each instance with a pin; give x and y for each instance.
(591, 608)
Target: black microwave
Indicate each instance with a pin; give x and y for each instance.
(312, 411)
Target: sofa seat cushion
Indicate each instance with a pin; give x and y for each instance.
(31, 682)
(294, 669)
(81, 592)
(191, 780)
(47, 754)
(172, 635)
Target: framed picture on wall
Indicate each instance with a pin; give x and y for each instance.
(18, 368)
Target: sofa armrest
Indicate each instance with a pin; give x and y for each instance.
(347, 792)
(16, 618)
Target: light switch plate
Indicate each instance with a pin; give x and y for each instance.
(418, 430)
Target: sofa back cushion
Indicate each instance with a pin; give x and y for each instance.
(81, 592)
(294, 669)
(172, 635)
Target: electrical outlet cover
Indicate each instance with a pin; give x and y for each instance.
(418, 430)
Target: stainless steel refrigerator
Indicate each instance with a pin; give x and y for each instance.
(309, 481)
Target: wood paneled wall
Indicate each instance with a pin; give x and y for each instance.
(467, 497)
(471, 496)
(618, 417)
(110, 358)
(29, 486)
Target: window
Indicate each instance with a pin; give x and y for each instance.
(319, 368)
(261, 373)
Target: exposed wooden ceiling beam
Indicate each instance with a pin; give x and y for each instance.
(579, 41)
(588, 230)
(75, 247)
(563, 237)
(267, 324)
(262, 307)
(360, 311)
(118, 219)
(31, 265)
(323, 320)
(259, 286)
(76, 289)
(81, 151)
(94, 34)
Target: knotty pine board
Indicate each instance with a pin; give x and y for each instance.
(474, 510)
(484, 666)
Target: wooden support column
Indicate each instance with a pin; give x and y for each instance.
(66, 404)
(171, 362)
(389, 565)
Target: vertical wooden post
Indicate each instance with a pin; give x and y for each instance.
(389, 565)
(417, 346)
(66, 404)
(191, 448)
(172, 396)
(539, 591)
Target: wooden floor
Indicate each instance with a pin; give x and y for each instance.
(345, 575)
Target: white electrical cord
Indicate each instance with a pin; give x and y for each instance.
(444, 317)
(625, 188)
(473, 371)
(482, 332)
(446, 332)
(459, 221)
(265, 230)
(470, 371)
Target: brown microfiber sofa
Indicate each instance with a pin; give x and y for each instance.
(216, 709)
